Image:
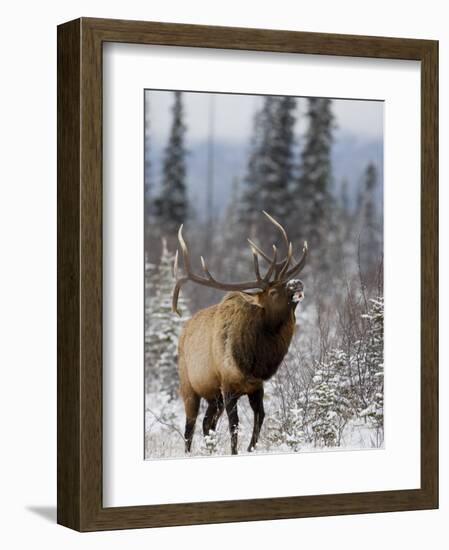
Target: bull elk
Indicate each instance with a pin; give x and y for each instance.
(229, 349)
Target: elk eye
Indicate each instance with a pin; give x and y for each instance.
(272, 292)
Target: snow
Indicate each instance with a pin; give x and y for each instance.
(328, 393)
(312, 404)
(163, 437)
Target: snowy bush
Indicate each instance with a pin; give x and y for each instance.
(374, 367)
(322, 402)
(330, 408)
(285, 427)
(162, 326)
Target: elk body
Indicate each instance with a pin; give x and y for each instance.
(229, 349)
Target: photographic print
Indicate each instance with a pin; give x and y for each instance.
(263, 274)
(225, 238)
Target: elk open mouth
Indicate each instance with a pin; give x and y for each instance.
(296, 287)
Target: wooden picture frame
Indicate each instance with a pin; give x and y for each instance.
(80, 504)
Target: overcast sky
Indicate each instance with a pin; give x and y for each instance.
(234, 114)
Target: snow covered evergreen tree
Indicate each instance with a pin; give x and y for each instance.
(286, 427)
(270, 166)
(344, 197)
(162, 327)
(150, 275)
(147, 174)
(374, 366)
(282, 149)
(330, 408)
(312, 191)
(252, 200)
(171, 207)
(365, 198)
(369, 219)
(147, 161)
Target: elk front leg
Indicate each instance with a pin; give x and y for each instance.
(256, 402)
(230, 401)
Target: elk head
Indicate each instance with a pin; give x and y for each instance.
(277, 291)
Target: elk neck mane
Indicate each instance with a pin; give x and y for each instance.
(258, 343)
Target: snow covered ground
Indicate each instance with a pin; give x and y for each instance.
(164, 422)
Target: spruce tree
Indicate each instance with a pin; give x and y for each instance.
(147, 161)
(171, 207)
(151, 343)
(344, 198)
(374, 367)
(147, 176)
(283, 140)
(369, 219)
(330, 409)
(313, 191)
(270, 166)
(252, 201)
(163, 327)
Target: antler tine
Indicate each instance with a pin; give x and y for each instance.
(279, 226)
(259, 251)
(174, 304)
(272, 266)
(182, 280)
(205, 269)
(256, 263)
(282, 265)
(287, 262)
(175, 265)
(297, 268)
(281, 270)
(184, 249)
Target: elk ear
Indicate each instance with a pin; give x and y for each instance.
(252, 299)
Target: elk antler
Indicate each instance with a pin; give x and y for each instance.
(297, 268)
(209, 280)
(281, 269)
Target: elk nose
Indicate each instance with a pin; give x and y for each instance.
(295, 285)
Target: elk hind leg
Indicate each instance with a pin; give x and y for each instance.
(256, 403)
(230, 400)
(191, 405)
